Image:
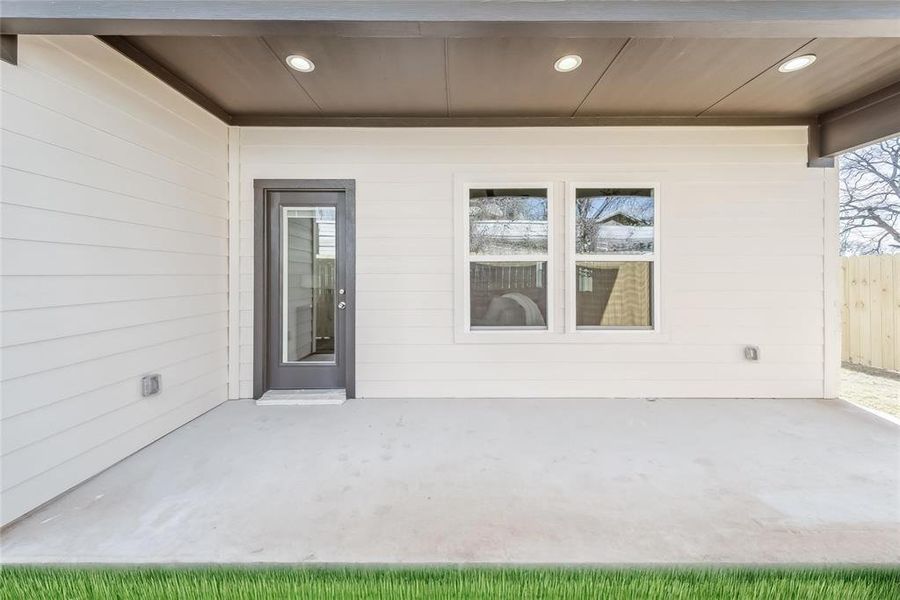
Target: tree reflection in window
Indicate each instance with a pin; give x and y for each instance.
(506, 221)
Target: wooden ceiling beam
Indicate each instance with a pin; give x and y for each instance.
(524, 121)
(161, 72)
(861, 122)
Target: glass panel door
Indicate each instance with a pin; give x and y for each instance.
(308, 300)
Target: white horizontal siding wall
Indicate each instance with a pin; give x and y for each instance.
(742, 226)
(114, 263)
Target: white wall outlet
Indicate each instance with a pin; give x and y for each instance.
(751, 352)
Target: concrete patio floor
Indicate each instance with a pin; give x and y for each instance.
(533, 481)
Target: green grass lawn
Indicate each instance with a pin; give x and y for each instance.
(436, 583)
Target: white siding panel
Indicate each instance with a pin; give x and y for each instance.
(412, 264)
(618, 388)
(85, 107)
(27, 189)
(585, 354)
(26, 223)
(704, 245)
(763, 265)
(390, 227)
(403, 204)
(35, 325)
(26, 292)
(114, 264)
(597, 373)
(741, 258)
(404, 245)
(28, 358)
(422, 299)
(765, 206)
(38, 157)
(404, 318)
(404, 282)
(799, 280)
(80, 62)
(517, 156)
(26, 257)
(33, 120)
(807, 300)
(43, 388)
(649, 136)
(26, 428)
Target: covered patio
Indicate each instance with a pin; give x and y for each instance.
(474, 481)
(208, 202)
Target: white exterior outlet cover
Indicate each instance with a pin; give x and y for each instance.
(151, 384)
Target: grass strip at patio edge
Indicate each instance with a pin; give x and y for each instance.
(252, 582)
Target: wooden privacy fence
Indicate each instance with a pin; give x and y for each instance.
(870, 314)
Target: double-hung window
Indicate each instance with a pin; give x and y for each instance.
(507, 258)
(614, 234)
(507, 270)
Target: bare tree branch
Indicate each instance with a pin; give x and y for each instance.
(870, 199)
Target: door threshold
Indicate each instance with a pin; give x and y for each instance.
(302, 397)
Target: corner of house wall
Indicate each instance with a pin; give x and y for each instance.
(234, 243)
(831, 284)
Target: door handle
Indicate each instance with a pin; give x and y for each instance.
(342, 305)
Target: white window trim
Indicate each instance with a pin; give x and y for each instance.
(464, 331)
(617, 334)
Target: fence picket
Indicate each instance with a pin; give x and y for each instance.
(854, 311)
(895, 305)
(887, 311)
(874, 310)
(845, 311)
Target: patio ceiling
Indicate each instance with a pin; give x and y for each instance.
(491, 63)
(514, 76)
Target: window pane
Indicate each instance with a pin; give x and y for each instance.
(308, 284)
(508, 294)
(614, 220)
(614, 294)
(507, 221)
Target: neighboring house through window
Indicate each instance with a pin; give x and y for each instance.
(614, 235)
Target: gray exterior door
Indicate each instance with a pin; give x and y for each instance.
(305, 335)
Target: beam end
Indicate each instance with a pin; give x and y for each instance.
(860, 123)
(826, 162)
(9, 49)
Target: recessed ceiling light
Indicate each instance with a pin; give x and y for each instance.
(300, 63)
(797, 63)
(567, 63)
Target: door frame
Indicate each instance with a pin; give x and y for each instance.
(261, 296)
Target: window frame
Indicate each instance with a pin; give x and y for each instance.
(466, 259)
(572, 258)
